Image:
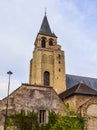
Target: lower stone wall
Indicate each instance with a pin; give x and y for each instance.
(31, 98)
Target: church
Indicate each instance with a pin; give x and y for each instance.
(49, 86)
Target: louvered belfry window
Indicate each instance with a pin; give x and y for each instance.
(46, 78)
(43, 43)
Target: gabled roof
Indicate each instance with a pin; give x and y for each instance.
(72, 80)
(79, 89)
(45, 28)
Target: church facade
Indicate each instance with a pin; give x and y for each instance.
(49, 86)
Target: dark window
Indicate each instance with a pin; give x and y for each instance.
(50, 42)
(42, 116)
(43, 43)
(46, 78)
(59, 56)
(59, 69)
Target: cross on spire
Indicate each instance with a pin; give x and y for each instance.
(45, 11)
(45, 28)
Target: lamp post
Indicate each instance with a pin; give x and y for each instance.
(6, 114)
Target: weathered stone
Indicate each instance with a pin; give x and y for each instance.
(31, 98)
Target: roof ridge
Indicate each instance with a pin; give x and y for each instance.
(79, 85)
(81, 76)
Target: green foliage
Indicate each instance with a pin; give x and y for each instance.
(23, 121)
(69, 110)
(29, 121)
(64, 122)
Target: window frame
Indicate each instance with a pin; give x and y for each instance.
(42, 116)
(47, 78)
(43, 42)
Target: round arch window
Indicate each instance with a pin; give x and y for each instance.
(51, 42)
(43, 43)
(46, 78)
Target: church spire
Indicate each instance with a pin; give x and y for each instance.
(45, 28)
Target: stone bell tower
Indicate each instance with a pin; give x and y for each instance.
(47, 65)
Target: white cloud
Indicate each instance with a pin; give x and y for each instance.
(73, 21)
(4, 86)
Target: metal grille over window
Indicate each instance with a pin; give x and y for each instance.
(42, 116)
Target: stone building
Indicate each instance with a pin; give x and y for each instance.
(84, 100)
(37, 98)
(47, 65)
(49, 85)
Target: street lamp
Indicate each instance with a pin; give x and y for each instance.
(5, 125)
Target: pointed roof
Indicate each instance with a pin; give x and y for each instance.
(79, 89)
(45, 28)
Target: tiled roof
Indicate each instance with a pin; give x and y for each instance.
(72, 80)
(45, 28)
(79, 89)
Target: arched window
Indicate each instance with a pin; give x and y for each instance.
(46, 78)
(59, 69)
(59, 56)
(43, 41)
(51, 42)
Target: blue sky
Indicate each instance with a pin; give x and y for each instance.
(73, 21)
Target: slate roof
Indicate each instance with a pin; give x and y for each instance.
(79, 89)
(45, 28)
(72, 80)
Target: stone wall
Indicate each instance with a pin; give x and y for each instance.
(89, 111)
(50, 59)
(86, 107)
(31, 98)
(77, 100)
